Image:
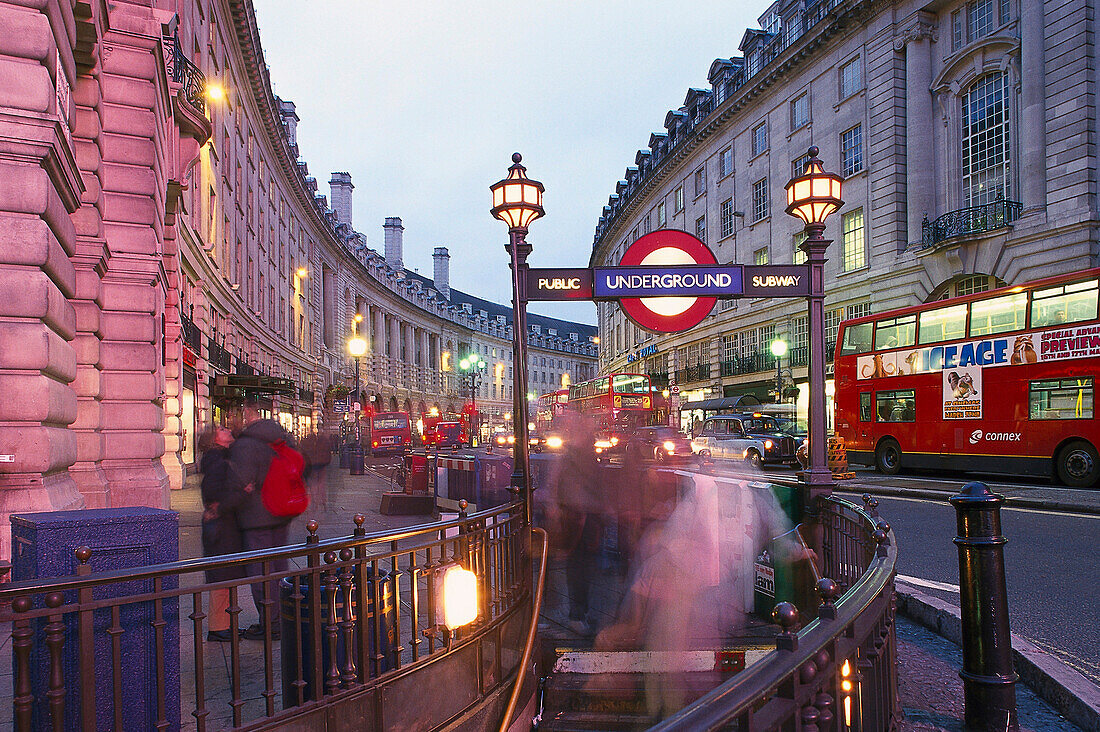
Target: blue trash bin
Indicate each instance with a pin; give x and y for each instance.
(292, 662)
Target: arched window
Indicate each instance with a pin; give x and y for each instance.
(966, 285)
(986, 158)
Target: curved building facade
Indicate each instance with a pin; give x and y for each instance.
(963, 131)
(164, 251)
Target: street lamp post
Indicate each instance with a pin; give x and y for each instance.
(472, 366)
(517, 201)
(778, 349)
(357, 346)
(813, 197)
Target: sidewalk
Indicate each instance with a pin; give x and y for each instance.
(930, 687)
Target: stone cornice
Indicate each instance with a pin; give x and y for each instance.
(39, 139)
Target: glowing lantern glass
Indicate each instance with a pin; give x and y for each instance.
(517, 200)
(814, 195)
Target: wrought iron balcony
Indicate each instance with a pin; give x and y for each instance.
(244, 369)
(698, 372)
(182, 71)
(192, 336)
(973, 220)
(218, 356)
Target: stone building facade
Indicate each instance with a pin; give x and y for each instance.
(162, 245)
(965, 134)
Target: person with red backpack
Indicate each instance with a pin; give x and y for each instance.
(264, 455)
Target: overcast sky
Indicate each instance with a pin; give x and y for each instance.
(425, 102)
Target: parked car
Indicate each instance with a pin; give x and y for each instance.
(779, 433)
(660, 444)
(754, 439)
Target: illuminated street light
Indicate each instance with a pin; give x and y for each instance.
(813, 197)
(517, 201)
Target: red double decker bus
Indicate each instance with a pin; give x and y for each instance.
(549, 407)
(1001, 381)
(390, 432)
(619, 403)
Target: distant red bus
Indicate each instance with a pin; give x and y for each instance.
(549, 407)
(619, 403)
(1001, 381)
(447, 430)
(390, 432)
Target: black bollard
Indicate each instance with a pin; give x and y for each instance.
(989, 680)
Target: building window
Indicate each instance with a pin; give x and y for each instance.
(855, 254)
(634, 235)
(798, 167)
(760, 256)
(678, 200)
(727, 217)
(647, 224)
(759, 139)
(760, 200)
(858, 310)
(725, 162)
(662, 219)
(851, 151)
(800, 112)
(985, 140)
(701, 229)
(799, 256)
(851, 77)
(701, 181)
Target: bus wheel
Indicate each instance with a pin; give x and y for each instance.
(1078, 465)
(888, 457)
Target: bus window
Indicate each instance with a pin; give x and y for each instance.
(865, 414)
(1064, 304)
(630, 384)
(999, 315)
(942, 324)
(895, 406)
(1060, 399)
(857, 338)
(895, 332)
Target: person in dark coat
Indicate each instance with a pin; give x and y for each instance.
(220, 534)
(250, 457)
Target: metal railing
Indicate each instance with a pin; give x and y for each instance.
(218, 356)
(375, 596)
(972, 220)
(192, 336)
(182, 71)
(698, 372)
(839, 672)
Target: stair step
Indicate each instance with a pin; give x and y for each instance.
(593, 722)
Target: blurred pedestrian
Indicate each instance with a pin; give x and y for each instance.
(220, 533)
(580, 522)
(250, 457)
(317, 450)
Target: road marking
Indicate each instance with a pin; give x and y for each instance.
(931, 584)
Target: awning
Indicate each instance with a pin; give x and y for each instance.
(238, 387)
(713, 405)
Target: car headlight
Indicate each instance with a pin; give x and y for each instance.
(614, 441)
(511, 439)
(670, 446)
(553, 442)
(768, 444)
(603, 444)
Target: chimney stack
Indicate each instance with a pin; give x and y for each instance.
(442, 273)
(341, 188)
(290, 121)
(394, 230)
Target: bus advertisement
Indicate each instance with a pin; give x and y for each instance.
(1001, 381)
(390, 432)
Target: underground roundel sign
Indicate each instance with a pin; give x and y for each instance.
(655, 263)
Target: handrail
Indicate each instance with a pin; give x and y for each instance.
(185, 566)
(778, 685)
(532, 634)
